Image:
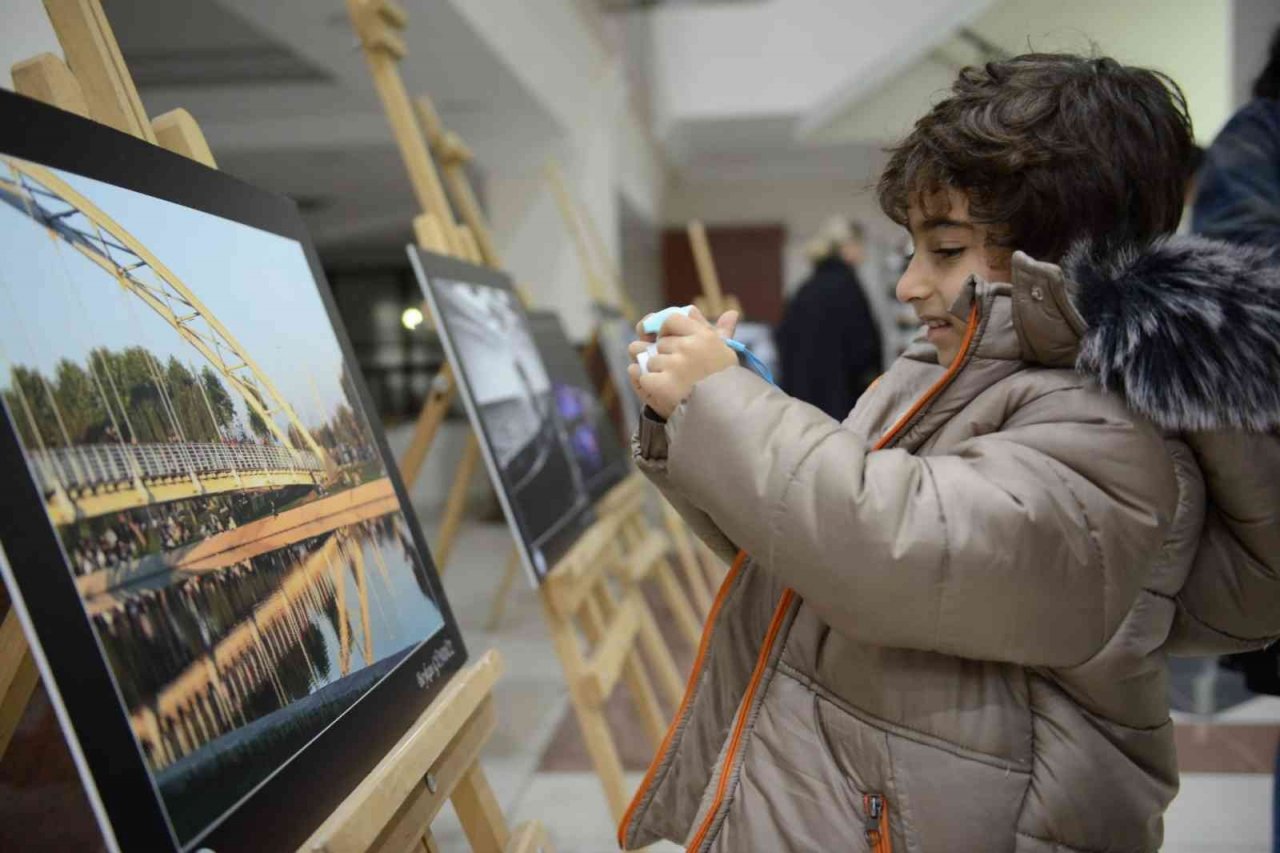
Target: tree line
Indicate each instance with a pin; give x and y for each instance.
(133, 396)
(129, 395)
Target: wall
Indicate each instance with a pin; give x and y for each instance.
(1252, 24)
(605, 156)
(641, 247)
(26, 32)
(1188, 39)
(1191, 40)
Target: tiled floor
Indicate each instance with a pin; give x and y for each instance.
(1215, 812)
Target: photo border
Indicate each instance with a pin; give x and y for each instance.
(429, 266)
(287, 806)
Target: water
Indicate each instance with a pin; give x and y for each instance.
(200, 659)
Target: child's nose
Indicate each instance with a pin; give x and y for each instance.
(912, 285)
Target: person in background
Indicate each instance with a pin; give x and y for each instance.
(1238, 200)
(828, 342)
(1239, 184)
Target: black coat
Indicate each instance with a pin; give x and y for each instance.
(828, 342)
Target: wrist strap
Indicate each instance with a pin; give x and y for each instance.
(750, 360)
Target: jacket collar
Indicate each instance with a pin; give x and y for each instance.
(1187, 330)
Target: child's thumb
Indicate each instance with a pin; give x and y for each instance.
(727, 323)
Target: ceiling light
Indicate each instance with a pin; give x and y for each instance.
(412, 318)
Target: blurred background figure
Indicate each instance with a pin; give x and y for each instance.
(828, 342)
(1238, 199)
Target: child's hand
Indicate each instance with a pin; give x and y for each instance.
(689, 350)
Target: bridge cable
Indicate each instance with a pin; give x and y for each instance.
(53, 401)
(46, 459)
(78, 297)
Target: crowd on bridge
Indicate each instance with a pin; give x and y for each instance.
(125, 537)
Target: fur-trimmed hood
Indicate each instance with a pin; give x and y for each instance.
(1187, 330)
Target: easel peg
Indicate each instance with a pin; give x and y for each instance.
(178, 132)
(393, 15)
(47, 78)
(429, 233)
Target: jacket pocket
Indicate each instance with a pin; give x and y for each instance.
(875, 805)
(789, 794)
(935, 797)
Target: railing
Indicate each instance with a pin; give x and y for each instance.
(90, 466)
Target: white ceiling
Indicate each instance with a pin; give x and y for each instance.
(757, 89)
(285, 99)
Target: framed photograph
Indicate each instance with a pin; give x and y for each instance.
(615, 333)
(511, 402)
(599, 455)
(225, 588)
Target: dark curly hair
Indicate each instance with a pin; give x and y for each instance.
(1049, 149)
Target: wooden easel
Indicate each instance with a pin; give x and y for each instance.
(600, 623)
(438, 757)
(713, 301)
(703, 569)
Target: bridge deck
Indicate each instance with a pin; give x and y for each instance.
(92, 480)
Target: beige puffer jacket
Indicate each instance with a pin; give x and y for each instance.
(951, 633)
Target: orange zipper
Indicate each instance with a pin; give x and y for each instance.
(744, 710)
(936, 388)
(698, 662)
(875, 809)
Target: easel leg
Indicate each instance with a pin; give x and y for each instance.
(598, 611)
(424, 432)
(18, 676)
(604, 755)
(660, 659)
(457, 502)
(498, 605)
(478, 812)
(682, 611)
(590, 716)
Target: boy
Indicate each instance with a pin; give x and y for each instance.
(950, 631)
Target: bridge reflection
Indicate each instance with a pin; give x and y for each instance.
(219, 649)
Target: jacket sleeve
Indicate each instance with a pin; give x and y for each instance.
(649, 448)
(1026, 545)
(1231, 598)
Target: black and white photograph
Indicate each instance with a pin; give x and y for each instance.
(615, 334)
(512, 401)
(599, 455)
(201, 451)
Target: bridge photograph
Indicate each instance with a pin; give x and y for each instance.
(192, 427)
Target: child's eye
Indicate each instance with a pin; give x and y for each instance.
(949, 252)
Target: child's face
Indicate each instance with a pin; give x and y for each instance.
(949, 247)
